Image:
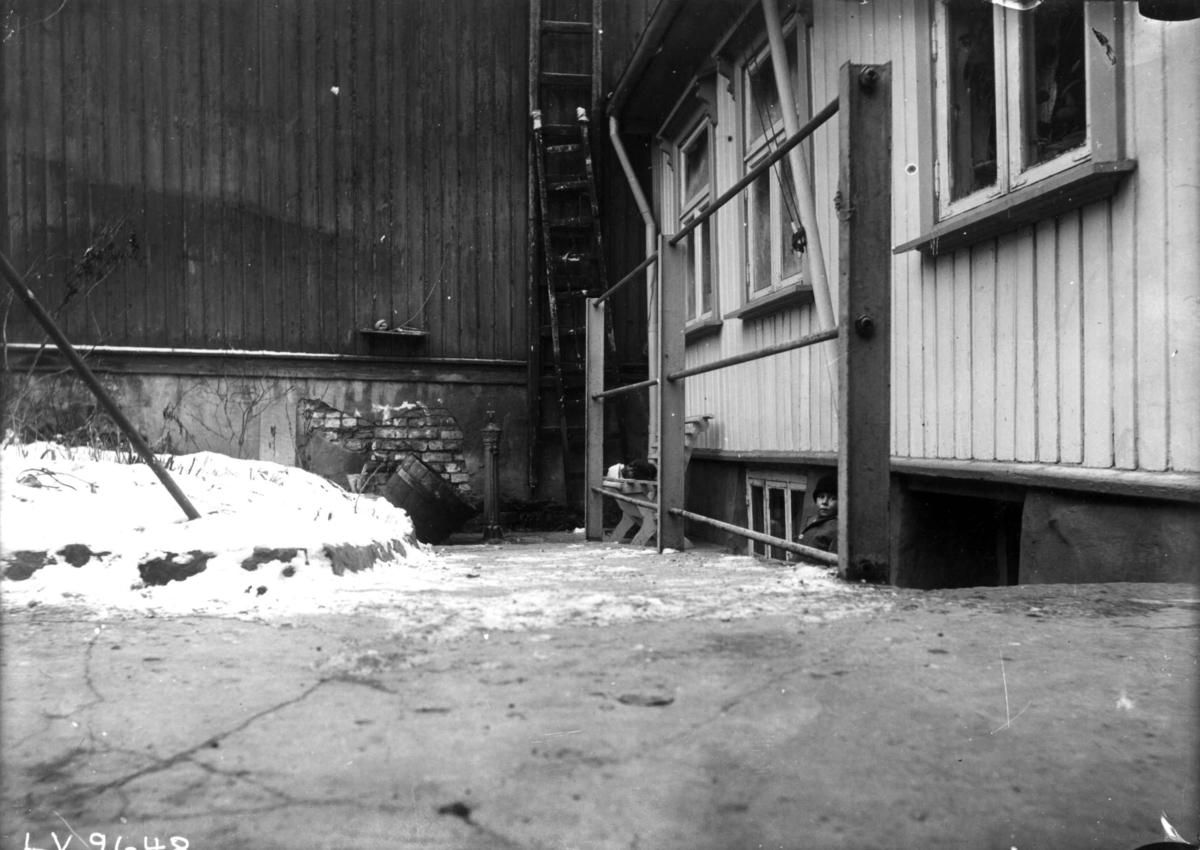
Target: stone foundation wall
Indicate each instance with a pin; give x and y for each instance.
(1067, 537)
(334, 443)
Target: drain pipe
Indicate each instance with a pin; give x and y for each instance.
(799, 163)
(639, 196)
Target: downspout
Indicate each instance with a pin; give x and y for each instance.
(804, 189)
(648, 44)
(651, 229)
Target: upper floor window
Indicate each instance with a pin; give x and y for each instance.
(695, 192)
(1013, 96)
(771, 209)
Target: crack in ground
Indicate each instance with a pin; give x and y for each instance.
(161, 764)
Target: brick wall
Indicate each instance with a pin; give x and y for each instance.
(431, 433)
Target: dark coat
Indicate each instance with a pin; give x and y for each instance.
(821, 533)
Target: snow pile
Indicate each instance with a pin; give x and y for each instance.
(270, 538)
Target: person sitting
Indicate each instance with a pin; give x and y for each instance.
(821, 532)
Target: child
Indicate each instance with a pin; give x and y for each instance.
(821, 532)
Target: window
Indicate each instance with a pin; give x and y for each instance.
(1012, 97)
(1028, 120)
(695, 192)
(775, 505)
(771, 210)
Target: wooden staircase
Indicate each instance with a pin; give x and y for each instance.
(564, 98)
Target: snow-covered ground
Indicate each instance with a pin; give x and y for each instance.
(276, 541)
(54, 498)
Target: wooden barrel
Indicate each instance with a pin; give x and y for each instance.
(431, 502)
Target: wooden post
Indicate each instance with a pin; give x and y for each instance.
(593, 457)
(864, 318)
(672, 397)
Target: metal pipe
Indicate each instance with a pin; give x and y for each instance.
(799, 162)
(492, 531)
(653, 382)
(641, 503)
(778, 542)
(135, 439)
(780, 152)
(620, 283)
(811, 339)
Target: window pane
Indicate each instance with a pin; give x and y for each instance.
(778, 519)
(756, 517)
(762, 107)
(797, 514)
(695, 166)
(759, 202)
(705, 267)
(1055, 102)
(972, 91)
(789, 211)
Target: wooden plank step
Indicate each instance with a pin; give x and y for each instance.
(575, 257)
(552, 78)
(564, 185)
(575, 222)
(578, 27)
(574, 148)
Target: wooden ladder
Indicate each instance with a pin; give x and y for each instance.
(564, 98)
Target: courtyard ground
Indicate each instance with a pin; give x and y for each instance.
(551, 693)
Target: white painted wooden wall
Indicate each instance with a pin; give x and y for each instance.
(1075, 341)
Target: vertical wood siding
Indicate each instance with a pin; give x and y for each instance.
(270, 212)
(1072, 341)
(1079, 342)
(1075, 328)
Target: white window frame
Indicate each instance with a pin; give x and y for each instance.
(703, 236)
(757, 149)
(794, 485)
(1011, 171)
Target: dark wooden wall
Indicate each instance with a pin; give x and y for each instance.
(624, 230)
(232, 199)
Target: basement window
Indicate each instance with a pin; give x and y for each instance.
(775, 506)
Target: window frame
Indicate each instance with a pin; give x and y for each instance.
(689, 207)
(1097, 174)
(752, 150)
(1010, 50)
(792, 484)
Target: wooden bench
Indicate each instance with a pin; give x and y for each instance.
(647, 518)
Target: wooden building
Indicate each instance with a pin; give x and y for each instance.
(236, 208)
(1045, 375)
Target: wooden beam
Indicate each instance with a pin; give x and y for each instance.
(593, 457)
(864, 306)
(671, 394)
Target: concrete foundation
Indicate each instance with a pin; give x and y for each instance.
(257, 416)
(954, 533)
(1077, 538)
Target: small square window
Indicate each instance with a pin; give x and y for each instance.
(775, 507)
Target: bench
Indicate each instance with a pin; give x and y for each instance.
(647, 518)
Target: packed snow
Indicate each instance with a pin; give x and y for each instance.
(95, 534)
(55, 497)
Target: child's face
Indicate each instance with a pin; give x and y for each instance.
(826, 504)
